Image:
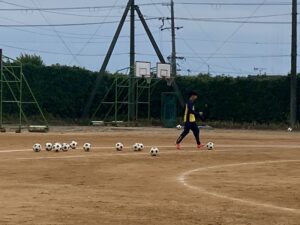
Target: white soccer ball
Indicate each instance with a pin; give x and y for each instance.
(48, 147)
(140, 147)
(290, 129)
(210, 146)
(87, 147)
(73, 144)
(119, 146)
(37, 147)
(57, 147)
(154, 151)
(65, 147)
(179, 127)
(135, 147)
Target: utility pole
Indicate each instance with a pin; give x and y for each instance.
(173, 57)
(1, 90)
(131, 89)
(173, 54)
(293, 110)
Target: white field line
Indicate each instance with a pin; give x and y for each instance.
(127, 154)
(18, 150)
(260, 146)
(87, 155)
(183, 147)
(183, 180)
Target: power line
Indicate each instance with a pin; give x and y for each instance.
(178, 34)
(235, 32)
(242, 17)
(58, 53)
(58, 35)
(238, 42)
(92, 36)
(53, 9)
(209, 36)
(79, 15)
(83, 36)
(226, 56)
(235, 3)
(57, 25)
(67, 24)
(232, 21)
(69, 8)
(71, 42)
(243, 56)
(71, 35)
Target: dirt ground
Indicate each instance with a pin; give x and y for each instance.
(252, 177)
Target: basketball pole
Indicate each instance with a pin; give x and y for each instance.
(87, 107)
(131, 89)
(152, 40)
(132, 86)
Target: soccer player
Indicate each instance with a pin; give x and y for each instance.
(190, 116)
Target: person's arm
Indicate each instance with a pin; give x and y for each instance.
(199, 115)
(191, 110)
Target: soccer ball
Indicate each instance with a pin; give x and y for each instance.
(135, 147)
(290, 129)
(73, 145)
(140, 147)
(56, 147)
(210, 146)
(119, 146)
(65, 147)
(48, 147)
(154, 151)
(37, 147)
(87, 147)
(178, 127)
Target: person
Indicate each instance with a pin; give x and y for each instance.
(190, 116)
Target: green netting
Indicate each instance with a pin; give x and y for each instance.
(169, 109)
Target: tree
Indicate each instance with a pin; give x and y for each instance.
(31, 60)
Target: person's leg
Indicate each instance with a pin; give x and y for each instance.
(184, 133)
(196, 132)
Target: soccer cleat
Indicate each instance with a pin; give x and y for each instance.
(178, 146)
(200, 146)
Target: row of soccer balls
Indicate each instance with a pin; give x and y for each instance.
(137, 147)
(57, 147)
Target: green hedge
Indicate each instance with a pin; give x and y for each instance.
(63, 91)
(262, 99)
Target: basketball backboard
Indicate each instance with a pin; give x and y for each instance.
(143, 69)
(163, 70)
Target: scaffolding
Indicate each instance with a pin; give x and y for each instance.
(116, 101)
(16, 98)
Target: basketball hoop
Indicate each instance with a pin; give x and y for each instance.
(169, 81)
(164, 72)
(148, 80)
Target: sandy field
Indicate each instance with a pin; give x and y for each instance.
(252, 177)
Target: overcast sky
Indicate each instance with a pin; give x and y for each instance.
(222, 48)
